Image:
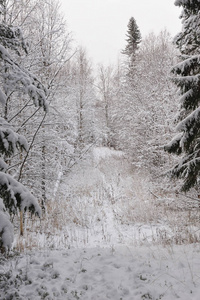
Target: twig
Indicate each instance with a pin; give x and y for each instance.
(189, 197)
(153, 194)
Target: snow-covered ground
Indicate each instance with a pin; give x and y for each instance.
(115, 273)
(104, 238)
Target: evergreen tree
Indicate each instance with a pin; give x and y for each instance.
(187, 78)
(133, 39)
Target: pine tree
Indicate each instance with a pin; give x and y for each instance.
(186, 75)
(133, 39)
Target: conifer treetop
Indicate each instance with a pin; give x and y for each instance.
(133, 38)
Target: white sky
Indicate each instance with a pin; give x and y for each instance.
(101, 25)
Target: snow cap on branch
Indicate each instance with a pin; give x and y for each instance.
(10, 141)
(16, 76)
(17, 196)
(6, 228)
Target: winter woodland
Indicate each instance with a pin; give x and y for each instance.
(99, 165)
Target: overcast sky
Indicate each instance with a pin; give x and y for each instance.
(101, 25)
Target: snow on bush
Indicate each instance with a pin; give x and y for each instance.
(6, 228)
(104, 153)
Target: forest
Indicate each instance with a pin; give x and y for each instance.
(99, 165)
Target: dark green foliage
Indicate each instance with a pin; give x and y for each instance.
(10, 141)
(188, 39)
(11, 37)
(16, 196)
(186, 75)
(190, 6)
(133, 38)
(188, 170)
(174, 146)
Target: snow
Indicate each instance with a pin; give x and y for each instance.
(101, 239)
(188, 123)
(10, 139)
(104, 152)
(187, 95)
(6, 228)
(16, 189)
(175, 141)
(2, 97)
(28, 81)
(182, 66)
(36, 96)
(3, 165)
(4, 54)
(99, 255)
(103, 273)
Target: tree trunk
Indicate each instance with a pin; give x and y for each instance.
(21, 223)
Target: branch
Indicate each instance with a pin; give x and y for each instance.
(27, 154)
(19, 111)
(13, 166)
(59, 69)
(29, 118)
(80, 156)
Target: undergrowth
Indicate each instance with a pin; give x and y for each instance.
(77, 221)
(105, 202)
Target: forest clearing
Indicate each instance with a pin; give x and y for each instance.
(99, 165)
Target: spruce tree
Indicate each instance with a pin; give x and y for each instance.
(133, 39)
(186, 75)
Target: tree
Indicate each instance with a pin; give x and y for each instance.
(81, 91)
(49, 50)
(106, 93)
(133, 40)
(186, 75)
(14, 196)
(139, 115)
